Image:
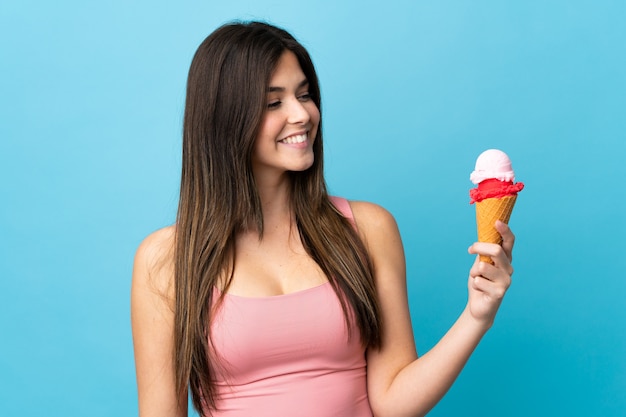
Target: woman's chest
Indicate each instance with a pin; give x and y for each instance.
(306, 331)
(273, 266)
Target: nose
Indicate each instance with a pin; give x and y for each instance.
(298, 114)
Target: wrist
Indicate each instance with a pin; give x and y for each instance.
(479, 325)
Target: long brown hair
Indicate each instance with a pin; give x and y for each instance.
(225, 103)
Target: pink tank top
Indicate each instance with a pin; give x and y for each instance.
(289, 355)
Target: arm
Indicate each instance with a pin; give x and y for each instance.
(400, 384)
(152, 317)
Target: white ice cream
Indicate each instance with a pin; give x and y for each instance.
(492, 163)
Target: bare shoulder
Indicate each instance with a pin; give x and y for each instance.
(373, 220)
(380, 234)
(154, 262)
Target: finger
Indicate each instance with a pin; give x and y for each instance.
(483, 249)
(494, 289)
(475, 270)
(508, 238)
(487, 249)
(482, 269)
(502, 261)
(496, 253)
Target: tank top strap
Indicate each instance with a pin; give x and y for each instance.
(344, 208)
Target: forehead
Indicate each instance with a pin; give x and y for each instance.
(287, 71)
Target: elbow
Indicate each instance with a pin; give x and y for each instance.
(393, 409)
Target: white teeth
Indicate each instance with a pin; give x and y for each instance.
(295, 139)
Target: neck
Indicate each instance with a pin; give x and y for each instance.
(275, 203)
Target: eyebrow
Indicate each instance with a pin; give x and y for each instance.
(271, 89)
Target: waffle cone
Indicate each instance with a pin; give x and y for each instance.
(487, 212)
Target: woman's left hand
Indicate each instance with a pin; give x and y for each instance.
(488, 283)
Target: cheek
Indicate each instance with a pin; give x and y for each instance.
(269, 129)
(314, 114)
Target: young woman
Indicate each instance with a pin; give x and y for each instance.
(268, 297)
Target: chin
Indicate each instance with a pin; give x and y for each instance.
(301, 168)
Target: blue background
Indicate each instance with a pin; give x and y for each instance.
(91, 104)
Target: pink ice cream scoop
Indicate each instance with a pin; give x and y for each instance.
(494, 176)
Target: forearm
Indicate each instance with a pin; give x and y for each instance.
(422, 383)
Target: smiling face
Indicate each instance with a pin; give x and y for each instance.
(289, 126)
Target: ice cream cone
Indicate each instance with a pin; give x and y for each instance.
(487, 212)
